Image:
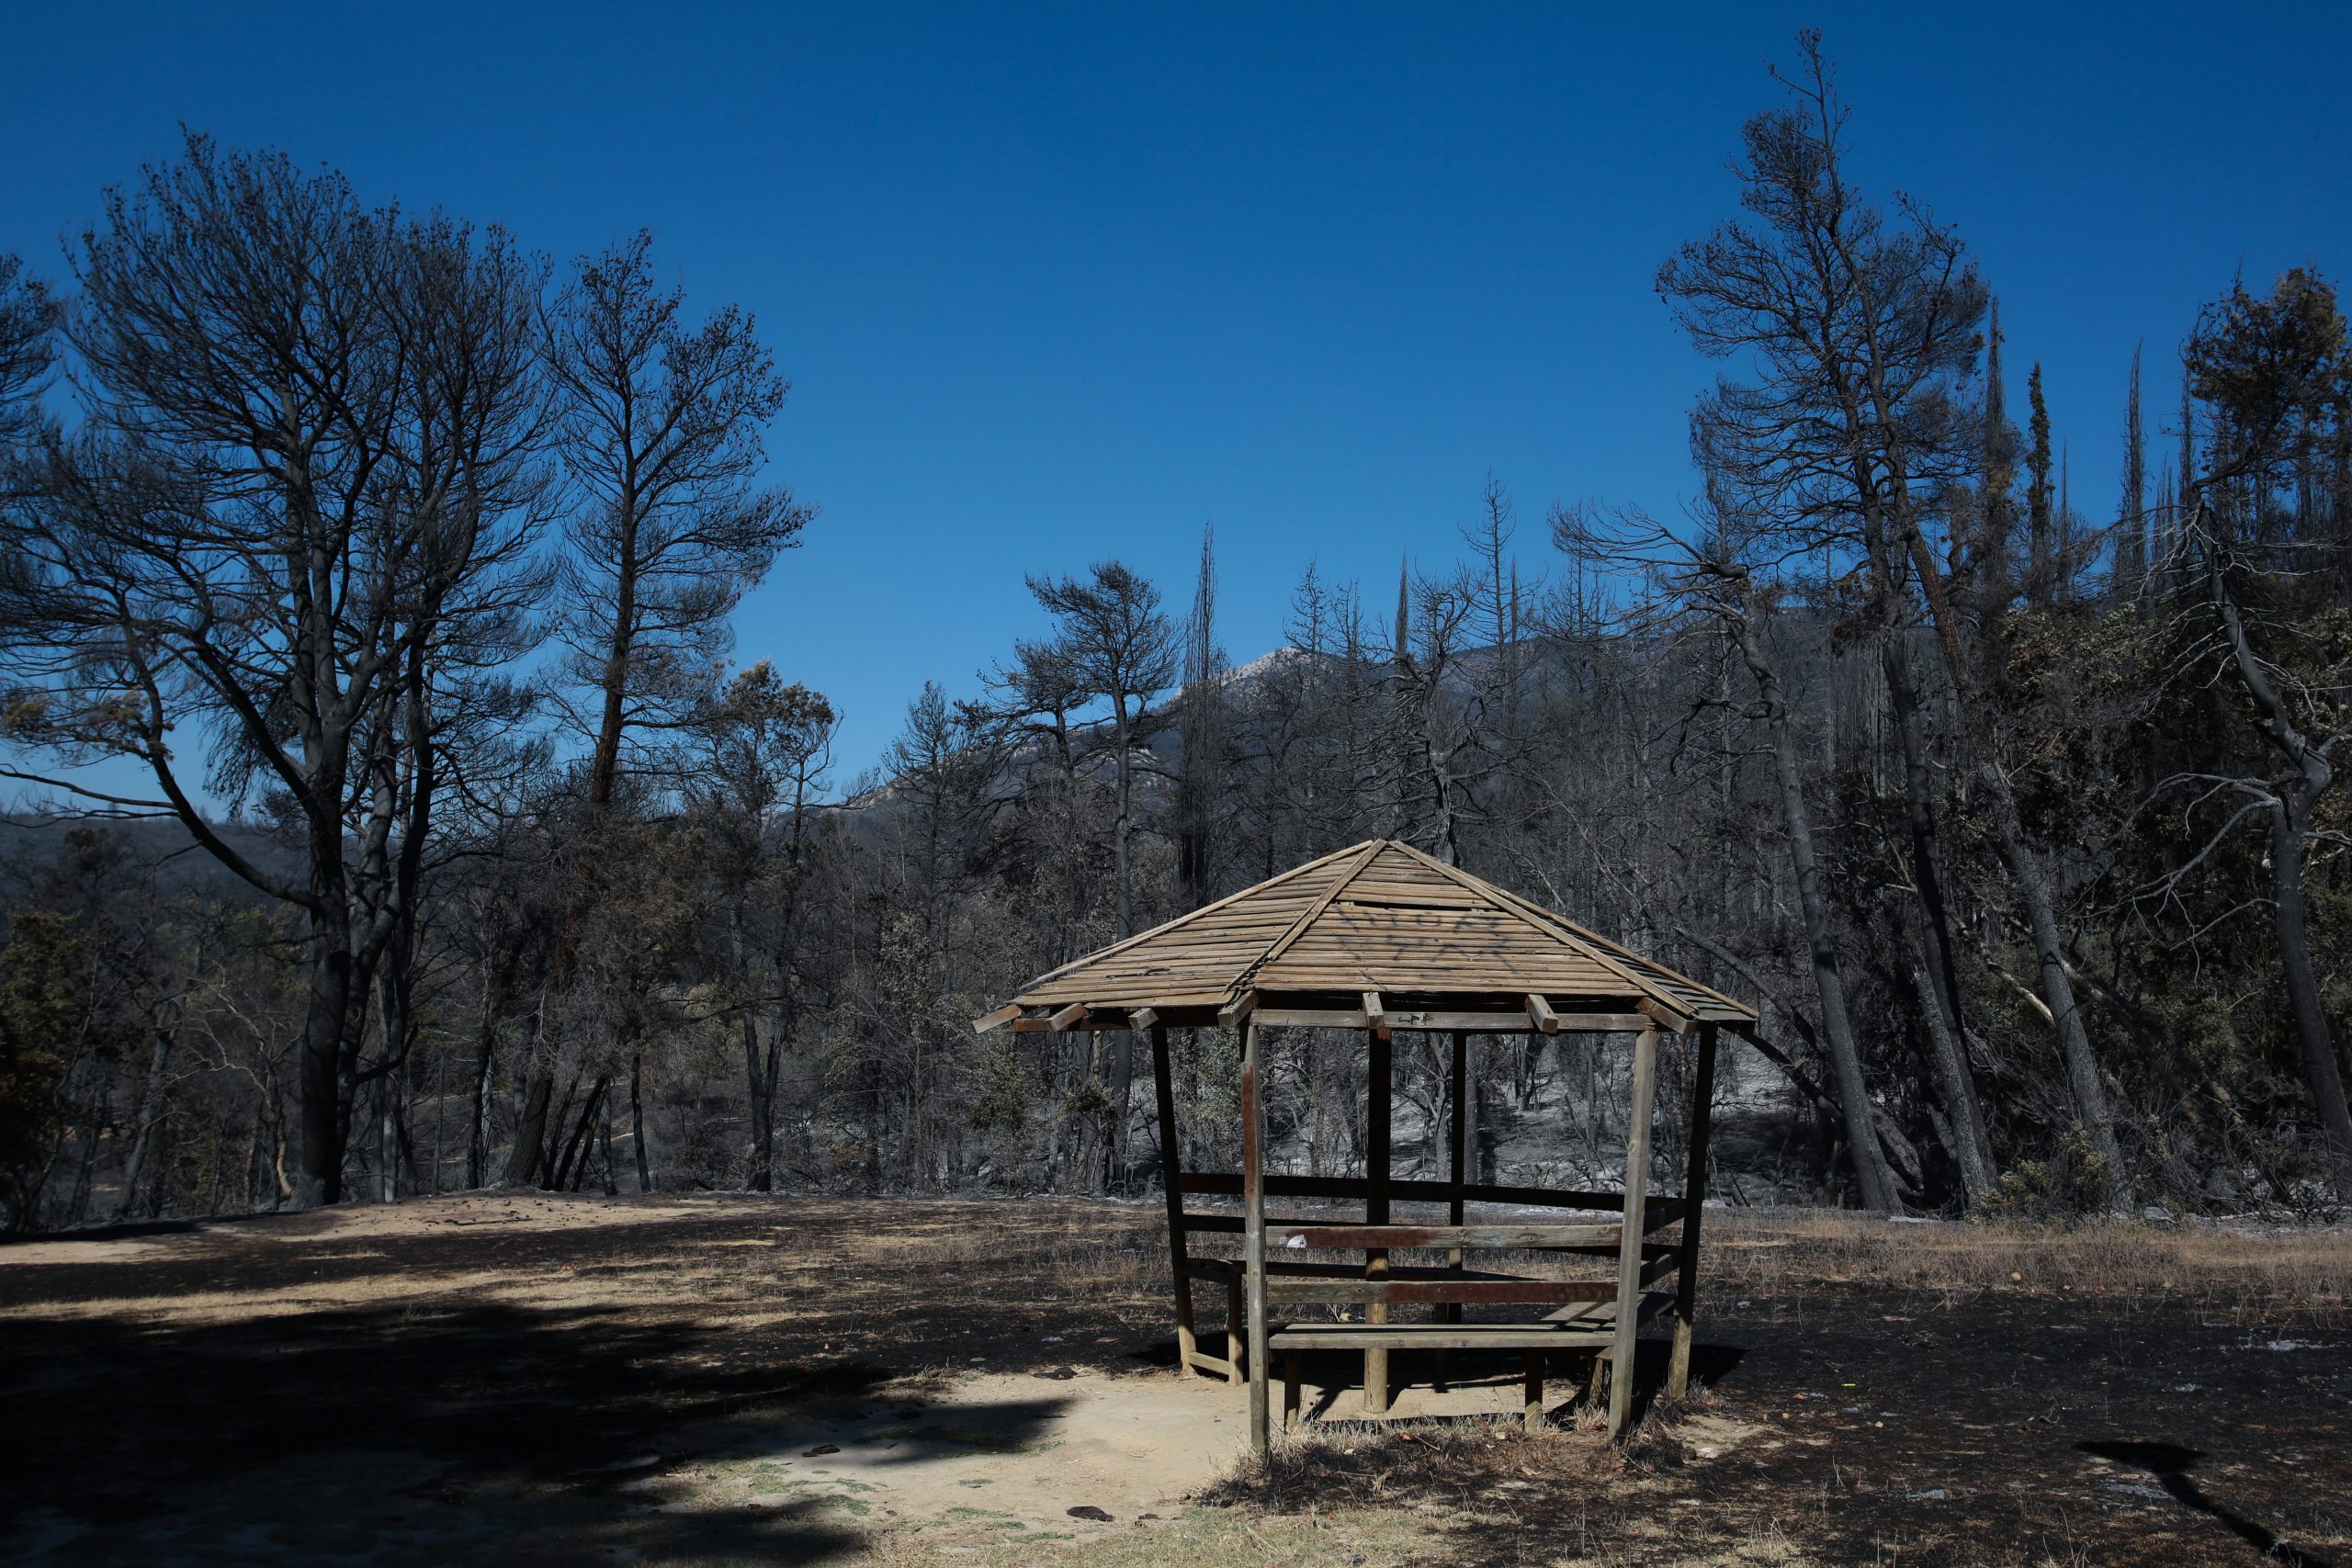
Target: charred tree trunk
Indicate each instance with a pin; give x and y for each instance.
(478, 1143)
(637, 1121)
(760, 1088)
(1871, 1172)
(573, 1163)
(2031, 875)
(1919, 823)
(151, 1105)
(1963, 1122)
(605, 1141)
(2309, 774)
(2288, 823)
(526, 1160)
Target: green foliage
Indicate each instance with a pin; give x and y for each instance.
(44, 1008)
(2273, 369)
(1006, 1093)
(2060, 1190)
(1086, 1104)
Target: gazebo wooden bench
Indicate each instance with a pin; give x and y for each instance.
(1380, 938)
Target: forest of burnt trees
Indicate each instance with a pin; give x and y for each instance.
(392, 816)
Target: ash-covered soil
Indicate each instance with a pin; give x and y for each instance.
(518, 1378)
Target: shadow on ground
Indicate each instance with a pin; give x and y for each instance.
(442, 1425)
(2170, 1464)
(532, 1419)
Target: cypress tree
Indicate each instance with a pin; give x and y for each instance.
(2040, 559)
(1997, 515)
(2131, 523)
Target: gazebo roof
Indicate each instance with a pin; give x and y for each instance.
(1379, 935)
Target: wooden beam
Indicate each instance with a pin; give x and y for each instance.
(1411, 1190)
(1695, 1208)
(1380, 1292)
(1143, 1017)
(1475, 1022)
(1310, 1018)
(1457, 1133)
(1380, 1100)
(1171, 1181)
(1629, 1255)
(1509, 1237)
(1438, 1336)
(1665, 1017)
(1540, 1013)
(1376, 1017)
(1253, 1198)
(1481, 1022)
(997, 1018)
(1227, 1268)
(1243, 1006)
(1552, 1333)
(1065, 1017)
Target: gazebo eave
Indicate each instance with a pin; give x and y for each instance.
(1492, 1012)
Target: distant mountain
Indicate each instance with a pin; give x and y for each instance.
(181, 863)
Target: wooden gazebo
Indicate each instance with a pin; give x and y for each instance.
(1380, 938)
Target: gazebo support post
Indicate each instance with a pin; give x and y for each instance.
(1172, 1176)
(1695, 1202)
(1253, 1201)
(1378, 1106)
(1455, 1138)
(1629, 1246)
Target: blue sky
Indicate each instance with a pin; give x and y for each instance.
(1058, 284)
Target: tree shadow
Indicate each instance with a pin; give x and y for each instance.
(891, 1438)
(2169, 1464)
(353, 1433)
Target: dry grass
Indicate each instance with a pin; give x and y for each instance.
(1364, 1537)
(2233, 1274)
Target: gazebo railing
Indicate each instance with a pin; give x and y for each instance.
(1601, 1315)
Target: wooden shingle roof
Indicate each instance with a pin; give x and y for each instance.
(1380, 929)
